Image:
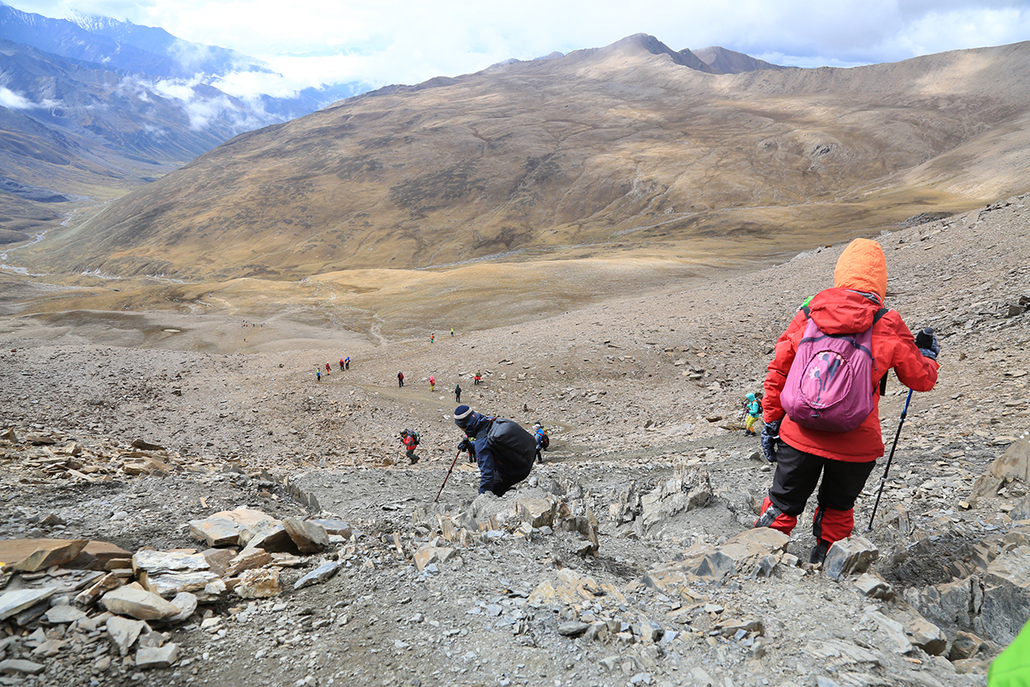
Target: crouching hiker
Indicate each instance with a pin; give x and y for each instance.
(503, 449)
(410, 440)
(822, 394)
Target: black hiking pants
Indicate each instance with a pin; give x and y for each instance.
(797, 474)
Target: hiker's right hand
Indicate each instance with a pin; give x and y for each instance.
(926, 340)
(465, 445)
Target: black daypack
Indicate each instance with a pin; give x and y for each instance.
(513, 446)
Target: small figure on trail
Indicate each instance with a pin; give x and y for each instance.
(809, 366)
(328, 368)
(503, 449)
(478, 378)
(410, 441)
(341, 364)
(400, 379)
(318, 373)
(452, 331)
(432, 383)
(542, 440)
(346, 363)
(457, 393)
(753, 410)
(432, 338)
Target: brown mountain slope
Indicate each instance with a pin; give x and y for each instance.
(619, 148)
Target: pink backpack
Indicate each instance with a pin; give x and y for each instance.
(830, 383)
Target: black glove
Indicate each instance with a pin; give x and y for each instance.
(770, 435)
(926, 341)
(465, 445)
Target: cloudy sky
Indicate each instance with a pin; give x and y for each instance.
(408, 41)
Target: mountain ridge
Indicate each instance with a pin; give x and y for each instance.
(619, 149)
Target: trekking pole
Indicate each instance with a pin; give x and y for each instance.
(886, 469)
(448, 476)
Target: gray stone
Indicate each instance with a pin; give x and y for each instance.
(171, 584)
(157, 657)
(186, 602)
(309, 537)
(138, 603)
(59, 615)
(124, 632)
(965, 645)
(162, 562)
(851, 555)
(12, 603)
(874, 587)
(926, 636)
(318, 575)
(18, 666)
(573, 628)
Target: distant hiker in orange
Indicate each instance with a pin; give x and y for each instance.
(341, 364)
(400, 379)
(432, 338)
(432, 383)
(328, 368)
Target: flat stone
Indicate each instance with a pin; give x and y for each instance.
(171, 584)
(318, 575)
(308, 536)
(874, 586)
(124, 632)
(30, 555)
(12, 603)
(157, 657)
(851, 555)
(537, 512)
(138, 603)
(268, 535)
(926, 636)
(567, 587)
(332, 526)
(105, 552)
(223, 528)
(248, 559)
(573, 628)
(218, 560)
(59, 615)
(160, 562)
(259, 584)
(18, 666)
(186, 602)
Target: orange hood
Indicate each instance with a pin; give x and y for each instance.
(862, 267)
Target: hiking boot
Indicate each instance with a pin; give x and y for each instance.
(770, 514)
(819, 552)
(414, 459)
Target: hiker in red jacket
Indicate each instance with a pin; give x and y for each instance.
(845, 459)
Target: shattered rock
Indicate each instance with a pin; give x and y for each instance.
(259, 584)
(851, 555)
(138, 603)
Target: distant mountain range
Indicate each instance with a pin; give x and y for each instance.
(633, 148)
(96, 106)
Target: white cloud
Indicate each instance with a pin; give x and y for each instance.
(14, 101)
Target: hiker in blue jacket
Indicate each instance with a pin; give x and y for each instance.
(494, 476)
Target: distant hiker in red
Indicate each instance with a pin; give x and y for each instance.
(400, 379)
(328, 368)
(341, 364)
(844, 454)
(476, 380)
(432, 383)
